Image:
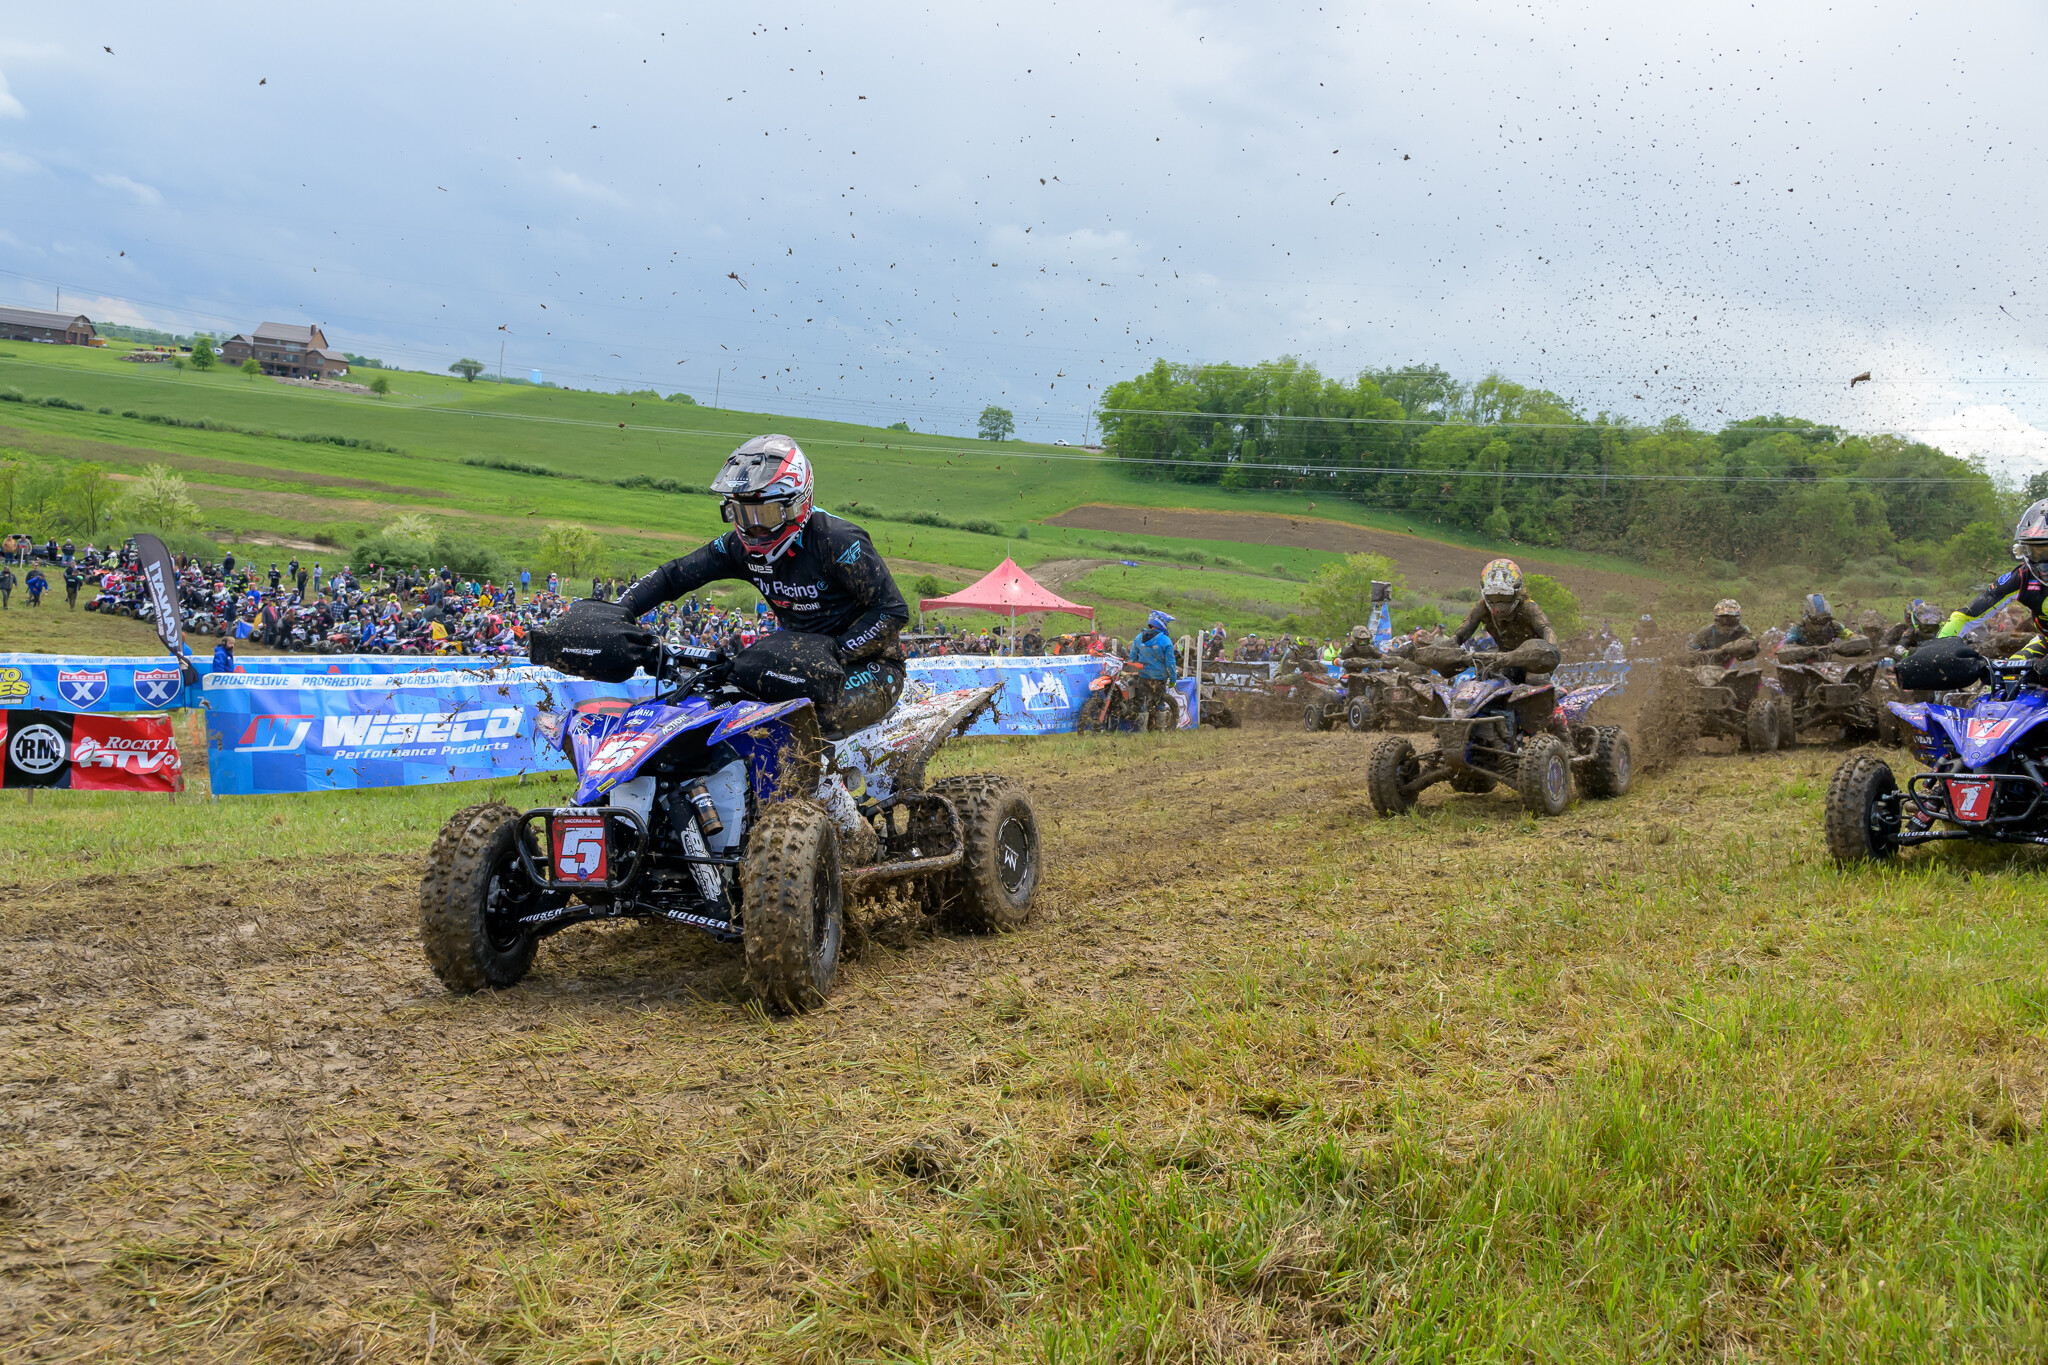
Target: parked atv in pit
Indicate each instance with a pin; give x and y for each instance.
(1987, 761)
(708, 808)
(1496, 730)
(1734, 698)
(1828, 687)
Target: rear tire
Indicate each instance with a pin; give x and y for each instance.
(1543, 776)
(1472, 782)
(1763, 728)
(1312, 719)
(990, 891)
(794, 911)
(473, 887)
(1613, 768)
(1859, 830)
(1389, 765)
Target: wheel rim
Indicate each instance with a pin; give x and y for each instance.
(502, 908)
(821, 907)
(1622, 765)
(1312, 718)
(1554, 779)
(1013, 856)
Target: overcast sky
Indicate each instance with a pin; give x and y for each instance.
(889, 211)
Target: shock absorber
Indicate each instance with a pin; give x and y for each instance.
(699, 796)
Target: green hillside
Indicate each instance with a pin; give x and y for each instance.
(271, 463)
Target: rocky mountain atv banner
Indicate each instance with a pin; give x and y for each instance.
(89, 753)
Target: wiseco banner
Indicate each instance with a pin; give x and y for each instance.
(89, 753)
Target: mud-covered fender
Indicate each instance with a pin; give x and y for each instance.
(890, 755)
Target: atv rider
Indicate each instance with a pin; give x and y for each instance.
(1360, 652)
(1727, 639)
(1507, 612)
(2027, 581)
(1153, 649)
(1922, 623)
(820, 575)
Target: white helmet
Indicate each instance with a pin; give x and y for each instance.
(2030, 537)
(1501, 578)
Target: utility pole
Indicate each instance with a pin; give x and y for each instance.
(716, 387)
(501, 362)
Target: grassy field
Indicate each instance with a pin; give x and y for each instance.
(266, 489)
(1651, 1081)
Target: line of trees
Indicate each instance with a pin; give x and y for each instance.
(1521, 465)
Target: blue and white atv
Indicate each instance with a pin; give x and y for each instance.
(1987, 761)
(707, 808)
(1498, 726)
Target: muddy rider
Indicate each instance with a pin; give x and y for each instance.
(1817, 625)
(1360, 653)
(829, 590)
(1922, 623)
(1506, 611)
(2026, 582)
(1152, 650)
(1726, 639)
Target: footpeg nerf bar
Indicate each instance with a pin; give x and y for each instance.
(910, 867)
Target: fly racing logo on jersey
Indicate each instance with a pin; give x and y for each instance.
(851, 554)
(82, 687)
(274, 734)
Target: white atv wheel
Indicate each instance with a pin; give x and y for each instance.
(991, 889)
(793, 907)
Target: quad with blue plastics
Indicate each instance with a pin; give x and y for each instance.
(1986, 757)
(1503, 721)
(709, 808)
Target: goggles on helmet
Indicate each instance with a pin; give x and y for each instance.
(757, 518)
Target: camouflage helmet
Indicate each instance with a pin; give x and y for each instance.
(1728, 606)
(1361, 632)
(1501, 578)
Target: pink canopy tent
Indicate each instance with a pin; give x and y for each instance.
(1007, 588)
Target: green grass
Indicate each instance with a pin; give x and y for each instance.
(1653, 1081)
(436, 423)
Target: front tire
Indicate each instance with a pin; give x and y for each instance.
(1358, 715)
(1543, 776)
(1613, 769)
(1764, 727)
(473, 890)
(1863, 825)
(795, 916)
(1389, 766)
(1312, 718)
(990, 891)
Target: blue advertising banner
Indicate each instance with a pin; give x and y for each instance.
(94, 683)
(269, 733)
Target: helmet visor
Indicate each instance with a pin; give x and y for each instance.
(758, 518)
(2034, 551)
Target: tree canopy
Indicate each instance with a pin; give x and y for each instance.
(1521, 465)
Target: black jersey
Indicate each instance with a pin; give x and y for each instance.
(829, 581)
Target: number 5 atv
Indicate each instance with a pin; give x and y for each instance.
(709, 808)
(1497, 728)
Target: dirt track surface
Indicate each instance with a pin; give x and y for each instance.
(1429, 565)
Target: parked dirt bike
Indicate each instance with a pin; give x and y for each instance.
(707, 808)
(1112, 702)
(1829, 688)
(1738, 700)
(1495, 730)
(1987, 762)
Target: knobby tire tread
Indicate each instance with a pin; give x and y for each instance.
(971, 896)
(776, 892)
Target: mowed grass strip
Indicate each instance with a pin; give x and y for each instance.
(1268, 1079)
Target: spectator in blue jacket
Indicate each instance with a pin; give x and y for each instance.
(224, 656)
(1153, 651)
(37, 585)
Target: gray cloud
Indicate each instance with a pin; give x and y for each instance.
(1709, 212)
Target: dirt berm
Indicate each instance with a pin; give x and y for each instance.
(1429, 565)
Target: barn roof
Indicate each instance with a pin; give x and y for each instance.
(282, 331)
(33, 317)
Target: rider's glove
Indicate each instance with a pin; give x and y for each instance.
(1953, 626)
